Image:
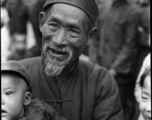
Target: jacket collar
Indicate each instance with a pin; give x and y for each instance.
(68, 71)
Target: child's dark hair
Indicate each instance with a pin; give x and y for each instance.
(144, 75)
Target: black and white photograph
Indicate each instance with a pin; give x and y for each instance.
(75, 60)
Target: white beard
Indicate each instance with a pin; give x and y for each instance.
(52, 68)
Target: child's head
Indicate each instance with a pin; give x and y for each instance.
(15, 90)
(145, 103)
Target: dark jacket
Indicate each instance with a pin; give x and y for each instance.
(39, 110)
(88, 92)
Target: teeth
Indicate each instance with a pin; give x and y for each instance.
(58, 52)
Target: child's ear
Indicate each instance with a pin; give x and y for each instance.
(27, 98)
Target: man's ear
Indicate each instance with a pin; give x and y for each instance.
(92, 35)
(41, 20)
(27, 98)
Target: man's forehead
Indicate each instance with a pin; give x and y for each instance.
(88, 6)
(66, 10)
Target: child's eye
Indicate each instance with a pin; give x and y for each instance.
(9, 93)
(144, 98)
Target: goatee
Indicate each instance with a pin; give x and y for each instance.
(51, 67)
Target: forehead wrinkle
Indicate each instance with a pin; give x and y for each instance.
(65, 8)
(71, 16)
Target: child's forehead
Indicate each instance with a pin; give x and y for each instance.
(147, 84)
(9, 79)
(147, 80)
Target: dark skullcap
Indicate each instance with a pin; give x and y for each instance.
(88, 6)
(15, 66)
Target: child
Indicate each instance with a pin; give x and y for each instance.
(16, 91)
(145, 64)
(145, 102)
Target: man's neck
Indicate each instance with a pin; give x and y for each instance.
(69, 69)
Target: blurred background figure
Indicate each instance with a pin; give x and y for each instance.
(20, 29)
(142, 2)
(120, 46)
(143, 30)
(104, 6)
(18, 14)
(33, 16)
(5, 37)
(19, 50)
(4, 13)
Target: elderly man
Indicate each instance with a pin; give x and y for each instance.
(76, 89)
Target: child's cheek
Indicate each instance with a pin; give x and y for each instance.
(142, 106)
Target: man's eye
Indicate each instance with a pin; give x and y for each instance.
(54, 25)
(9, 93)
(74, 33)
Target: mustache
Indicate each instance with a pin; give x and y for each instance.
(57, 48)
(52, 68)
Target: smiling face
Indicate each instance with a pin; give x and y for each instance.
(65, 32)
(13, 94)
(145, 103)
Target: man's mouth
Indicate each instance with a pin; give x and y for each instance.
(3, 113)
(59, 54)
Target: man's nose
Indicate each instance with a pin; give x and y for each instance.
(60, 37)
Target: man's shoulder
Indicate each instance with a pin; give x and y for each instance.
(98, 76)
(93, 70)
(31, 62)
(91, 66)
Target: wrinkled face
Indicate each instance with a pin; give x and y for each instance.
(145, 103)
(12, 97)
(65, 33)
